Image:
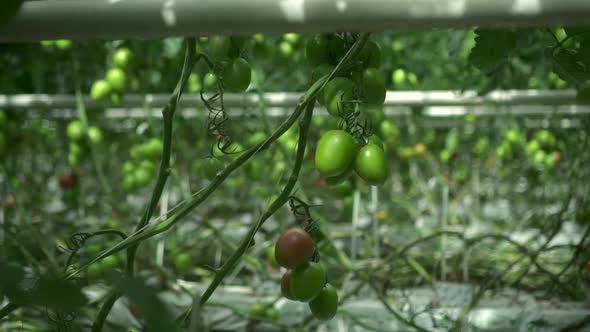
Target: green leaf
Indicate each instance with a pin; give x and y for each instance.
(583, 94)
(57, 294)
(584, 52)
(157, 316)
(8, 9)
(567, 67)
(576, 31)
(48, 291)
(492, 47)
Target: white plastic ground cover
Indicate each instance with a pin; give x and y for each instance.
(508, 310)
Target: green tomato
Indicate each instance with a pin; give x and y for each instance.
(73, 159)
(371, 164)
(270, 256)
(76, 130)
(551, 160)
(412, 79)
(257, 310)
(371, 55)
(94, 135)
(339, 102)
(336, 150)
(334, 180)
(63, 44)
(317, 50)
(148, 165)
(325, 305)
(219, 47)
(100, 90)
(255, 169)
(271, 313)
(237, 75)
(389, 132)
(444, 156)
(142, 177)
(533, 146)
(122, 57)
(513, 136)
(335, 85)
(373, 86)
(94, 271)
(129, 183)
(153, 148)
(212, 166)
(116, 78)
(128, 168)
(286, 49)
(347, 205)
(210, 81)
(194, 83)
(109, 263)
(545, 137)
(307, 281)
(256, 138)
(482, 145)
(398, 76)
(342, 189)
(183, 262)
(291, 37)
(47, 44)
(504, 151)
(539, 158)
(337, 48)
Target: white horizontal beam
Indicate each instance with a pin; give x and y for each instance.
(290, 99)
(146, 19)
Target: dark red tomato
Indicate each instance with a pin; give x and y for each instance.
(588, 266)
(325, 305)
(294, 248)
(9, 202)
(286, 286)
(67, 180)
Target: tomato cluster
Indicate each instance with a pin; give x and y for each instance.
(141, 168)
(115, 80)
(80, 136)
(305, 280)
(542, 149)
(232, 70)
(338, 152)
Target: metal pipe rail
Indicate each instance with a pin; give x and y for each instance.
(290, 99)
(150, 19)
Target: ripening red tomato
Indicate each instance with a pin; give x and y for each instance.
(294, 248)
(286, 286)
(67, 180)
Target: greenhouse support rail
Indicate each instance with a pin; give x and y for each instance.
(145, 19)
(290, 99)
